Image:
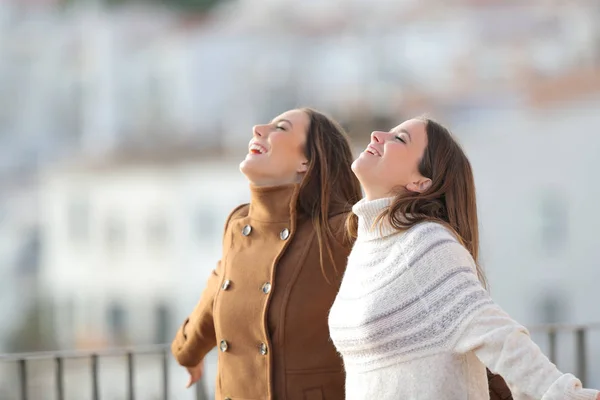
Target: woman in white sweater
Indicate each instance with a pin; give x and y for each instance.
(413, 319)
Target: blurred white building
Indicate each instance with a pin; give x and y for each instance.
(19, 253)
(91, 78)
(128, 245)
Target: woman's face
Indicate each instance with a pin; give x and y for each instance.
(276, 153)
(390, 162)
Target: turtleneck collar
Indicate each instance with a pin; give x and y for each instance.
(273, 203)
(367, 212)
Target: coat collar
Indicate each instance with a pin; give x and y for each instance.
(273, 203)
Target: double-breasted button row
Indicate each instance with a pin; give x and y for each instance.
(262, 348)
(283, 235)
(266, 287)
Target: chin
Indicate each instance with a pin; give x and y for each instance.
(247, 168)
(365, 173)
(360, 166)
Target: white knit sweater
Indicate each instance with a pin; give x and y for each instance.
(412, 321)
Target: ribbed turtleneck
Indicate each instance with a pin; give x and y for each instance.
(367, 212)
(273, 203)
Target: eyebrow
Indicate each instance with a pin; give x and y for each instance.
(284, 120)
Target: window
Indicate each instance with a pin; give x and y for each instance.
(116, 323)
(115, 233)
(78, 220)
(554, 221)
(163, 318)
(157, 231)
(552, 306)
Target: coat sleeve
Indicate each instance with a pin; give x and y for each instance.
(196, 336)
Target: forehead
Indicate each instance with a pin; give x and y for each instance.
(415, 128)
(298, 118)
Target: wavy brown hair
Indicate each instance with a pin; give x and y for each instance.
(329, 185)
(450, 200)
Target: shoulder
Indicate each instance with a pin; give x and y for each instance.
(239, 212)
(430, 232)
(337, 224)
(434, 243)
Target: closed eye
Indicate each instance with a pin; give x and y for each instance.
(280, 127)
(400, 138)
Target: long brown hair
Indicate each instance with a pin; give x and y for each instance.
(450, 200)
(329, 183)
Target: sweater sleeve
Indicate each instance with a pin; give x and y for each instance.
(196, 336)
(501, 343)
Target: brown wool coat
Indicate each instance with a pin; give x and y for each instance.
(267, 303)
(266, 306)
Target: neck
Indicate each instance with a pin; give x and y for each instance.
(273, 203)
(368, 211)
(374, 194)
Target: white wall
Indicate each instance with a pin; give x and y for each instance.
(85, 276)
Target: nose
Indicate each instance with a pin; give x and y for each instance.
(257, 130)
(378, 136)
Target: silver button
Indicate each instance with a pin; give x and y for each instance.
(223, 346)
(226, 284)
(246, 230)
(263, 349)
(284, 234)
(266, 288)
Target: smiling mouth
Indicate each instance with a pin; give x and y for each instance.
(373, 151)
(257, 149)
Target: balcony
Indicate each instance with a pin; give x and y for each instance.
(131, 371)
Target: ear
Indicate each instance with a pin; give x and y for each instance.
(419, 186)
(303, 167)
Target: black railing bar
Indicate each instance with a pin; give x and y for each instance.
(112, 352)
(23, 378)
(552, 345)
(94, 371)
(60, 392)
(165, 377)
(580, 349)
(130, 377)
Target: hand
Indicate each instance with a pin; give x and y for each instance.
(598, 398)
(197, 372)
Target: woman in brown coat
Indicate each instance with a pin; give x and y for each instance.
(266, 304)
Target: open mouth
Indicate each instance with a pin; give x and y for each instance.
(257, 149)
(373, 151)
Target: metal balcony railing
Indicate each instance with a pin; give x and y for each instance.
(580, 333)
(551, 332)
(130, 353)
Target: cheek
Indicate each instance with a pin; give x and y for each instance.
(286, 148)
(395, 157)
(398, 162)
